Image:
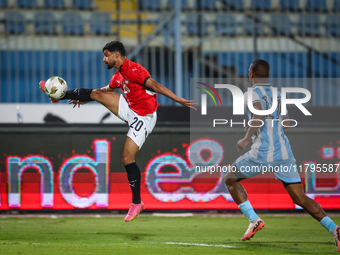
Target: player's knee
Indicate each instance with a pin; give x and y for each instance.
(126, 159)
(229, 179)
(96, 93)
(226, 179)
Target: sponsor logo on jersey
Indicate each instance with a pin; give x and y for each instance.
(124, 86)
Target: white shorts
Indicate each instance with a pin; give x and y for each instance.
(139, 126)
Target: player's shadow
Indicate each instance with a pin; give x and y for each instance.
(50, 118)
(129, 236)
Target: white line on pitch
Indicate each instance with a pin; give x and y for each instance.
(252, 247)
(202, 244)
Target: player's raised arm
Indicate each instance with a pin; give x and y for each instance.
(159, 88)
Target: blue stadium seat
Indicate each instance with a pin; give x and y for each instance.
(29, 4)
(336, 6)
(184, 4)
(14, 23)
(290, 5)
(45, 23)
(3, 3)
(332, 25)
(150, 4)
(208, 4)
(82, 4)
(316, 5)
(54, 4)
(282, 23)
(100, 23)
(261, 5)
(233, 4)
(194, 24)
(308, 25)
(72, 23)
(248, 26)
(225, 23)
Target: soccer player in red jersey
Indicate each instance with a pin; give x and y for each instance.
(137, 107)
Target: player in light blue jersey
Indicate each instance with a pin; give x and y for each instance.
(270, 152)
(269, 141)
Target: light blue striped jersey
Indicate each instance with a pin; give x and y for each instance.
(269, 142)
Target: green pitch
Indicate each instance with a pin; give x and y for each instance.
(159, 235)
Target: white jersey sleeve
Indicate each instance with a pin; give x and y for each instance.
(255, 97)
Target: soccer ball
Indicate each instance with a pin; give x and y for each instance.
(55, 87)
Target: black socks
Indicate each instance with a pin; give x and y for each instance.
(134, 177)
(79, 94)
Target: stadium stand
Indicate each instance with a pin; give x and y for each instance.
(291, 5)
(171, 4)
(72, 23)
(29, 4)
(261, 5)
(285, 64)
(282, 24)
(82, 4)
(45, 23)
(53, 4)
(316, 5)
(14, 23)
(233, 4)
(308, 25)
(208, 4)
(220, 26)
(332, 25)
(150, 4)
(336, 6)
(248, 25)
(3, 3)
(100, 23)
(194, 27)
(225, 24)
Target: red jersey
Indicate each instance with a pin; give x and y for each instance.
(131, 78)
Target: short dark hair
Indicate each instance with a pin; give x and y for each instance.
(260, 68)
(115, 46)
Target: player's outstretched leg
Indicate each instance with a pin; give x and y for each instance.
(109, 100)
(295, 191)
(254, 226)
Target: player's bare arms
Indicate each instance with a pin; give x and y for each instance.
(158, 88)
